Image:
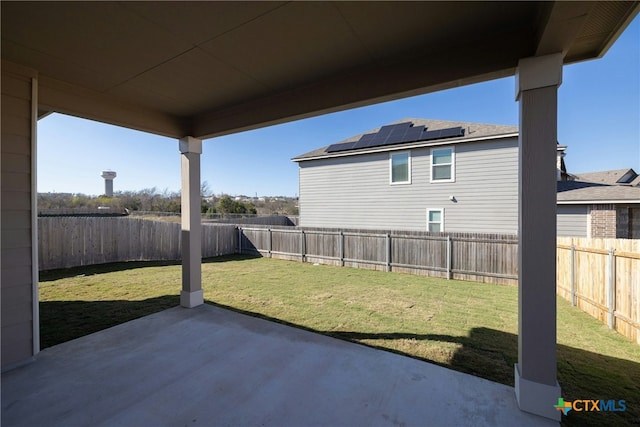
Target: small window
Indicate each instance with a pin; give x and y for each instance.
(435, 220)
(400, 168)
(442, 165)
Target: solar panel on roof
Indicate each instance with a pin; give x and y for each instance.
(340, 147)
(378, 142)
(397, 134)
(413, 134)
(442, 133)
(364, 141)
(451, 132)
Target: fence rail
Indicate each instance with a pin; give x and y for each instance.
(481, 257)
(602, 278)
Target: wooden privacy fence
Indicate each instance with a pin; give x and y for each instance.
(75, 241)
(490, 258)
(599, 276)
(602, 278)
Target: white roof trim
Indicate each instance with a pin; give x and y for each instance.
(401, 147)
(597, 202)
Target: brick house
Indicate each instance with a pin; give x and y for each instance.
(600, 204)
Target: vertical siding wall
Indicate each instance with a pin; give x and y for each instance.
(17, 275)
(354, 191)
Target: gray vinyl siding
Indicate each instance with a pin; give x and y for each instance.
(354, 191)
(572, 220)
(17, 284)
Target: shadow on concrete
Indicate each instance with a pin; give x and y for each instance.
(484, 352)
(491, 354)
(62, 321)
(88, 270)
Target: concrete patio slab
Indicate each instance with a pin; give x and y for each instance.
(209, 366)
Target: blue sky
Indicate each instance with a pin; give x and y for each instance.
(598, 118)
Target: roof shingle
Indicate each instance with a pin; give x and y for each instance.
(611, 177)
(472, 131)
(573, 191)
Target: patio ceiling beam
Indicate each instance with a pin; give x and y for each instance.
(466, 63)
(191, 295)
(73, 100)
(560, 26)
(536, 386)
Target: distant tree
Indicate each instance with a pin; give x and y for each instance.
(205, 190)
(227, 205)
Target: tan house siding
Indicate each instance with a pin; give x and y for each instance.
(17, 287)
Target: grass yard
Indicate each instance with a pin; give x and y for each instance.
(466, 326)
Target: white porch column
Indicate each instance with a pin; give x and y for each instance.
(537, 82)
(191, 295)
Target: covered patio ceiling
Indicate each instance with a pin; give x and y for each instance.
(205, 69)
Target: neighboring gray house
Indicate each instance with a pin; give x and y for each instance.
(600, 204)
(436, 175)
(415, 174)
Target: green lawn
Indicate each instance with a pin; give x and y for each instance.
(466, 326)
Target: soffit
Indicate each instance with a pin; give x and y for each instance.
(217, 67)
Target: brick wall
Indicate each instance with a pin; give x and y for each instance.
(634, 223)
(603, 221)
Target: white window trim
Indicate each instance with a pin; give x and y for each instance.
(391, 167)
(453, 164)
(441, 210)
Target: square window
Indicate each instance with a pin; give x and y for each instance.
(442, 164)
(400, 165)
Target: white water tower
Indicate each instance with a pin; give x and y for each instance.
(108, 182)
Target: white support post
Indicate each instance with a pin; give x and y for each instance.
(191, 295)
(537, 389)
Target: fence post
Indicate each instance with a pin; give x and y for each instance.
(612, 283)
(388, 244)
(449, 256)
(302, 248)
(270, 243)
(240, 240)
(341, 249)
(573, 275)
